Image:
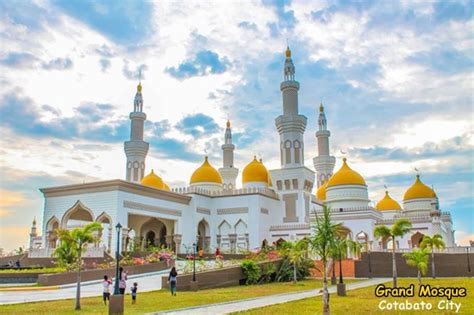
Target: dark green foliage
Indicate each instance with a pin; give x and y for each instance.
(285, 273)
(268, 273)
(251, 271)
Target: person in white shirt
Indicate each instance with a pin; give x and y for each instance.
(106, 293)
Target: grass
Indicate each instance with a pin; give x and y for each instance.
(161, 300)
(364, 301)
(34, 270)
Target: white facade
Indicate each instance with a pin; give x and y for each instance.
(218, 215)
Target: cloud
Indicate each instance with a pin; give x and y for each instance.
(28, 61)
(205, 62)
(134, 74)
(248, 25)
(197, 125)
(104, 64)
(58, 64)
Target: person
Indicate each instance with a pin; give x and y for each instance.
(134, 292)
(17, 263)
(201, 253)
(122, 280)
(106, 293)
(172, 280)
(218, 252)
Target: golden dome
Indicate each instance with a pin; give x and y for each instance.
(418, 190)
(153, 180)
(255, 171)
(269, 183)
(166, 187)
(206, 174)
(288, 52)
(387, 203)
(321, 193)
(346, 176)
(228, 123)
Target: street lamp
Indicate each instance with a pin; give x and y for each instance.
(194, 262)
(340, 266)
(117, 257)
(468, 262)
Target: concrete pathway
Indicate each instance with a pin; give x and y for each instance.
(243, 305)
(146, 282)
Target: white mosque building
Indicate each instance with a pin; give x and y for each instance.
(214, 213)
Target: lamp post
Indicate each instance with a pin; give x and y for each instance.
(117, 257)
(340, 266)
(194, 262)
(468, 262)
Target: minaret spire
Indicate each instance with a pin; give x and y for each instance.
(136, 149)
(228, 171)
(323, 163)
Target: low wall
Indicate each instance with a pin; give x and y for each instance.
(213, 256)
(447, 265)
(19, 277)
(218, 278)
(348, 269)
(88, 275)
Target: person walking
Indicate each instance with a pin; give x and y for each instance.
(122, 280)
(134, 292)
(106, 292)
(172, 280)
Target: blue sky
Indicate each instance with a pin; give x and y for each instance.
(395, 78)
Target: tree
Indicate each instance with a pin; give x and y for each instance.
(342, 246)
(296, 252)
(322, 242)
(400, 228)
(419, 259)
(432, 242)
(75, 242)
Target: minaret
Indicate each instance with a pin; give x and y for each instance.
(33, 233)
(323, 163)
(136, 149)
(290, 125)
(228, 171)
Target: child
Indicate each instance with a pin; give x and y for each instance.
(134, 293)
(106, 294)
(172, 279)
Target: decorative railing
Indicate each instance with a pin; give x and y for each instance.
(446, 250)
(225, 192)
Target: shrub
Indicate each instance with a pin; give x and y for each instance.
(268, 273)
(285, 273)
(251, 271)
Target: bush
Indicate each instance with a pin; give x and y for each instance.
(286, 270)
(251, 271)
(268, 273)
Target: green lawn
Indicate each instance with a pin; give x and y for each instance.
(364, 301)
(161, 300)
(34, 270)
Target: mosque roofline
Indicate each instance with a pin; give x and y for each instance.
(113, 185)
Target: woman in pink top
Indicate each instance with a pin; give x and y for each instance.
(122, 280)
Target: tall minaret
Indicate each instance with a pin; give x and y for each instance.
(136, 149)
(33, 233)
(323, 163)
(290, 125)
(228, 171)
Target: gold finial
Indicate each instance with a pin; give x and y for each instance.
(34, 221)
(288, 52)
(139, 87)
(321, 108)
(344, 159)
(228, 123)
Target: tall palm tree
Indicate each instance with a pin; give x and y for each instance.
(322, 243)
(400, 228)
(432, 242)
(419, 259)
(296, 252)
(78, 239)
(343, 246)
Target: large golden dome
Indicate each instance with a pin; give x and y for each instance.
(418, 191)
(321, 193)
(255, 171)
(346, 176)
(387, 203)
(153, 180)
(206, 174)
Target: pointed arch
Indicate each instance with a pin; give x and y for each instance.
(104, 218)
(224, 228)
(240, 227)
(52, 223)
(77, 211)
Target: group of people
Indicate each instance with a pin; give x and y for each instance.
(172, 280)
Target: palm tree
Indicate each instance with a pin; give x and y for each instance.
(400, 228)
(419, 259)
(78, 239)
(432, 242)
(295, 251)
(322, 243)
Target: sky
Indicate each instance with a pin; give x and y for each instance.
(396, 80)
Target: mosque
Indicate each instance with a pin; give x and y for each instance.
(213, 212)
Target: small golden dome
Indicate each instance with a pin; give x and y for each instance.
(321, 193)
(346, 176)
(166, 187)
(139, 87)
(387, 203)
(228, 123)
(321, 108)
(206, 174)
(269, 183)
(153, 180)
(419, 190)
(288, 52)
(255, 171)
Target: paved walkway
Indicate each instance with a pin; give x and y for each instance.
(146, 282)
(243, 305)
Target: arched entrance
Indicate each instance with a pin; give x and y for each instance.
(153, 232)
(150, 238)
(416, 239)
(77, 216)
(51, 235)
(203, 238)
(105, 235)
